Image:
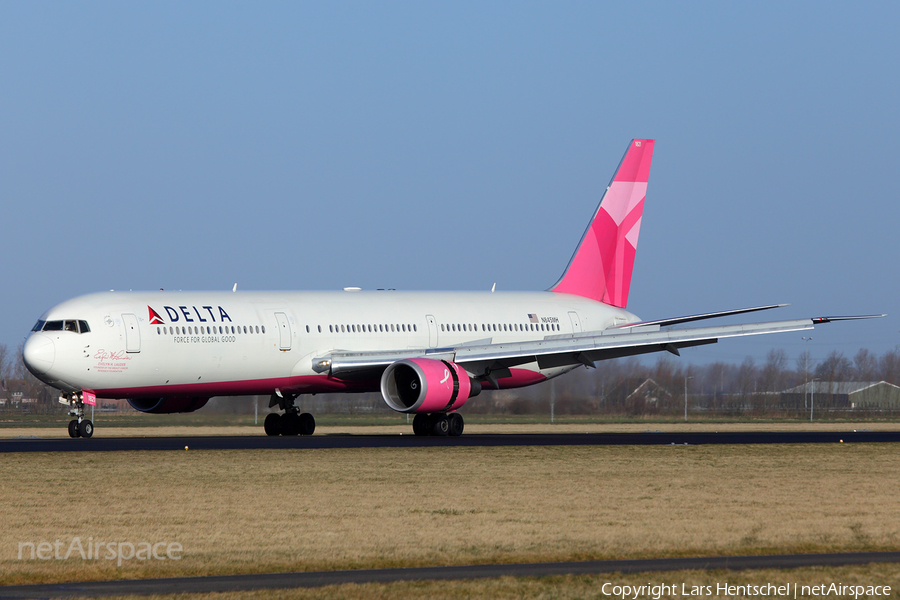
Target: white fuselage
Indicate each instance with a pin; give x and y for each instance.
(148, 344)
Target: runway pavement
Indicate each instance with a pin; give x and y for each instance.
(256, 442)
(234, 583)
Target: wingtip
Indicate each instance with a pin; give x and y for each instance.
(818, 320)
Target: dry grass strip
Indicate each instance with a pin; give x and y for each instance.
(575, 587)
(269, 510)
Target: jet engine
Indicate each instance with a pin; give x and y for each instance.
(167, 405)
(425, 385)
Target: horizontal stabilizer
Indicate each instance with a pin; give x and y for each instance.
(700, 317)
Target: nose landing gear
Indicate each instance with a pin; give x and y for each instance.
(79, 426)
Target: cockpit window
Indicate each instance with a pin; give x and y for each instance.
(67, 325)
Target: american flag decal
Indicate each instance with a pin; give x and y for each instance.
(532, 318)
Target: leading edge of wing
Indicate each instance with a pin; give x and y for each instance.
(583, 349)
(612, 343)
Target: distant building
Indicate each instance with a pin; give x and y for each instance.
(16, 393)
(108, 405)
(636, 394)
(861, 395)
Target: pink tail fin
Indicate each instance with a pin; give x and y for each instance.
(601, 266)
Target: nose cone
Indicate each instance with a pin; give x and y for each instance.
(39, 354)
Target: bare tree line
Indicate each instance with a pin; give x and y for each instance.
(14, 377)
(734, 388)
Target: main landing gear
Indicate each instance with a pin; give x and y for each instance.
(79, 426)
(292, 422)
(438, 424)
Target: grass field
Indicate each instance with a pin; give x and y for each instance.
(268, 510)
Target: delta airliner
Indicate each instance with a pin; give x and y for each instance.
(428, 353)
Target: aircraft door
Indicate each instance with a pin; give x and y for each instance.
(576, 322)
(132, 333)
(432, 331)
(284, 330)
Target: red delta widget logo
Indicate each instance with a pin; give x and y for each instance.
(187, 313)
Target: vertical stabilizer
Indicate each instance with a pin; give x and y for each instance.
(601, 267)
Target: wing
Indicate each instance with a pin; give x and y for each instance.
(489, 360)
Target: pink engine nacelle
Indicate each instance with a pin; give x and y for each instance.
(425, 385)
(167, 405)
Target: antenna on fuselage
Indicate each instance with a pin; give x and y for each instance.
(234, 289)
(493, 287)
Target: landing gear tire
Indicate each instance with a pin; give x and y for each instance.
(85, 429)
(290, 424)
(272, 424)
(441, 425)
(73, 428)
(307, 424)
(456, 424)
(420, 424)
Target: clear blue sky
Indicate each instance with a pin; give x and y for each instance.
(453, 145)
